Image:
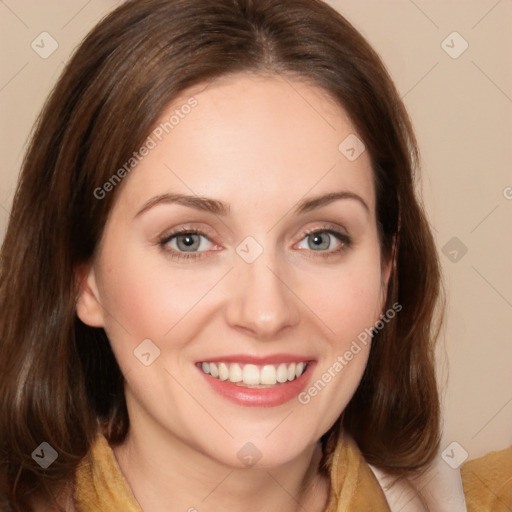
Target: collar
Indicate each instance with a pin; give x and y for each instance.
(101, 486)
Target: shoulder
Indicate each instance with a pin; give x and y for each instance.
(400, 493)
(438, 487)
(488, 482)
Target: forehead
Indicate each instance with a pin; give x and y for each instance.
(248, 139)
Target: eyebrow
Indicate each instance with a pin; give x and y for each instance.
(220, 208)
(323, 200)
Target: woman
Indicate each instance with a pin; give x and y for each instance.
(218, 286)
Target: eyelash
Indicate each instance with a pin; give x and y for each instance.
(341, 237)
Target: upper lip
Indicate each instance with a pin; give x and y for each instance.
(258, 360)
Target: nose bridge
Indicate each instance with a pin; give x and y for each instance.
(261, 302)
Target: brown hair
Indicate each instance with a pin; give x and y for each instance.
(59, 380)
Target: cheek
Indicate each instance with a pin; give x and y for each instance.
(348, 303)
(347, 299)
(349, 308)
(146, 296)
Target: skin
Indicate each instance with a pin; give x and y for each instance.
(260, 144)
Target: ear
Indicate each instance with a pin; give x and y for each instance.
(387, 267)
(88, 306)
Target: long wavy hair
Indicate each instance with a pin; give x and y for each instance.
(59, 380)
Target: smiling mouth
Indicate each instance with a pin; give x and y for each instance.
(252, 375)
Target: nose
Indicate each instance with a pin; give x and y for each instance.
(262, 303)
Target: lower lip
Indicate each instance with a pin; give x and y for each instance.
(260, 397)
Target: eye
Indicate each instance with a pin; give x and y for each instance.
(186, 243)
(325, 240)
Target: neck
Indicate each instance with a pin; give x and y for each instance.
(166, 474)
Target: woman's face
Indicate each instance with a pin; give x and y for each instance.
(245, 238)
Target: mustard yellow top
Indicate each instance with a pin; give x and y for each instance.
(487, 482)
(101, 487)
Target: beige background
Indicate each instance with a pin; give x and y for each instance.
(462, 111)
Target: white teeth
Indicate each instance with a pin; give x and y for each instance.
(223, 371)
(291, 371)
(282, 373)
(253, 375)
(235, 373)
(268, 374)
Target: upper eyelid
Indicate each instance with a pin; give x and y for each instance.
(172, 233)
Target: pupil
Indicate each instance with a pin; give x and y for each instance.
(188, 242)
(319, 241)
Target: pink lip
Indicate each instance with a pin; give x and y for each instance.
(258, 360)
(259, 397)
